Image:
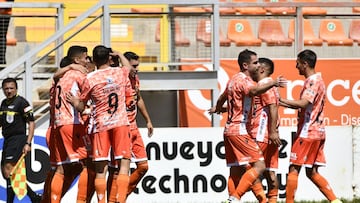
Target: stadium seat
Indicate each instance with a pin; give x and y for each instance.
(146, 10)
(180, 39)
(312, 10)
(332, 32)
(240, 32)
(356, 9)
(309, 37)
(189, 9)
(11, 41)
(203, 34)
(249, 10)
(354, 32)
(271, 32)
(223, 10)
(280, 10)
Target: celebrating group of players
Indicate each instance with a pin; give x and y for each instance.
(93, 132)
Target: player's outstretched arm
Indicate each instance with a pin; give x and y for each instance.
(61, 71)
(294, 104)
(260, 89)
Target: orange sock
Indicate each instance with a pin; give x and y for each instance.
(258, 191)
(136, 176)
(272, 195)
(113, 189)
(246, 182)
(233, 182)
(291, 186)
(323, 186)
(56, 187)
(100, 188)
(82, 186)
(122, 187)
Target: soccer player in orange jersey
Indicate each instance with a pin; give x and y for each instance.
(134, 101)
(65, 65)
(240, 149)
(308, 146)
(106, 87)
(69, 126)
(263, 127)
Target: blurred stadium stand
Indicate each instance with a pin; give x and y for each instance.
(181, 31)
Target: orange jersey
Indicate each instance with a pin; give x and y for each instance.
(132, 99)
(259, 124)
(106, 88)
(65, 113)
(311, 120)
(239, 103)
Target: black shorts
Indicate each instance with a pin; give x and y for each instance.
(12, 148)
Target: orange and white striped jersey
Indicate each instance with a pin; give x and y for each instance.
(238, 102)
(64, 112)
(311, 119)
(259, 124)
(106, 88)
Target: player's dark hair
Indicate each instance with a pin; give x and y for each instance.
(73, 51)
(101, 55)
(308, 56)
(268, 63)
(65, 62)
(131, 55)
(245, 57)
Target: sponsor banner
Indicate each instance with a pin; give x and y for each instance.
(341, 78)
(188, 165)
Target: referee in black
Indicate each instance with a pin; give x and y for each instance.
(15, 113)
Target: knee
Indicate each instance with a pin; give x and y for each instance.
(143, 167)
(260, 167)
(310, 173)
